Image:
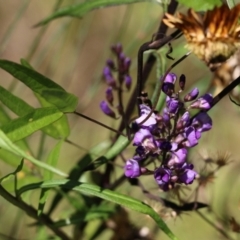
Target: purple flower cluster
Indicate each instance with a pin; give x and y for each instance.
(168, 136)
(115, 81)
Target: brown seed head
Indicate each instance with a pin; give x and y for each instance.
(213, 37)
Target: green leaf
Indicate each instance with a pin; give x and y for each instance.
(24, 126)
(52, 160)
(121, 143)
(52, 92)
(102, 211)
(80, 9)
(201, 5)
(6, 144)
(106, 194)
(79, 168)
(14, 103)
(25, 63)
(58, 129)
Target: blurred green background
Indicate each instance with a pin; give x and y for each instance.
(72, 52)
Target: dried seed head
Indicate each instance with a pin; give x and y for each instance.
(213, 37)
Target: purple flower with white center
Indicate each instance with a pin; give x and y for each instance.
(170, 78)
(204, 102)
(187, 174)
(132, 168)
(191, 95)
(145, 111)
(202, 122)
(183, 121)
(178, 157)
(167, 137)
(107, 110)
(192, 137)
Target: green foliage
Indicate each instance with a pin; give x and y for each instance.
(105, 194)
(80, 9)
(35, 131)
(202, 5)
(46, 88)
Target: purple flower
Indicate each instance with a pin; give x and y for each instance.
(145, 111)
(187, 175)
(192, 137)
(163, 177)
(128, 81)
(109, 95)
(132, 168)
(167, 137)
(140, 136)
(117, 48)
(127, 63)
(191, 95)
(165, 146)
(178, 157)
(183, 121)
(107, 71)
(170, 78)
(110, 81)
(172, 104)
(204, 102)
(110, 63)
(107, 110)
(202, 122)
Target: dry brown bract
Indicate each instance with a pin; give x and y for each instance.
(213, 37)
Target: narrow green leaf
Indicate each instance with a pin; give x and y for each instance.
(80, 9)
(52, 92)
(121, 143)
(24, 126)
(25, 63)
(102, 211)
(14, 103)
(51, 160)
(10, 158)
(6, 144)
(106, 194)
(78, 169)
(58, 129)
(201, 5)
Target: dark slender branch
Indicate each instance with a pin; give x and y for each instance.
(149, 64)
(99, 123)
(225, 91)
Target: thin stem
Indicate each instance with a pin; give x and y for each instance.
(32, 212)
(99, 123)
(160, 88)
(213, 225)
(148, 64)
